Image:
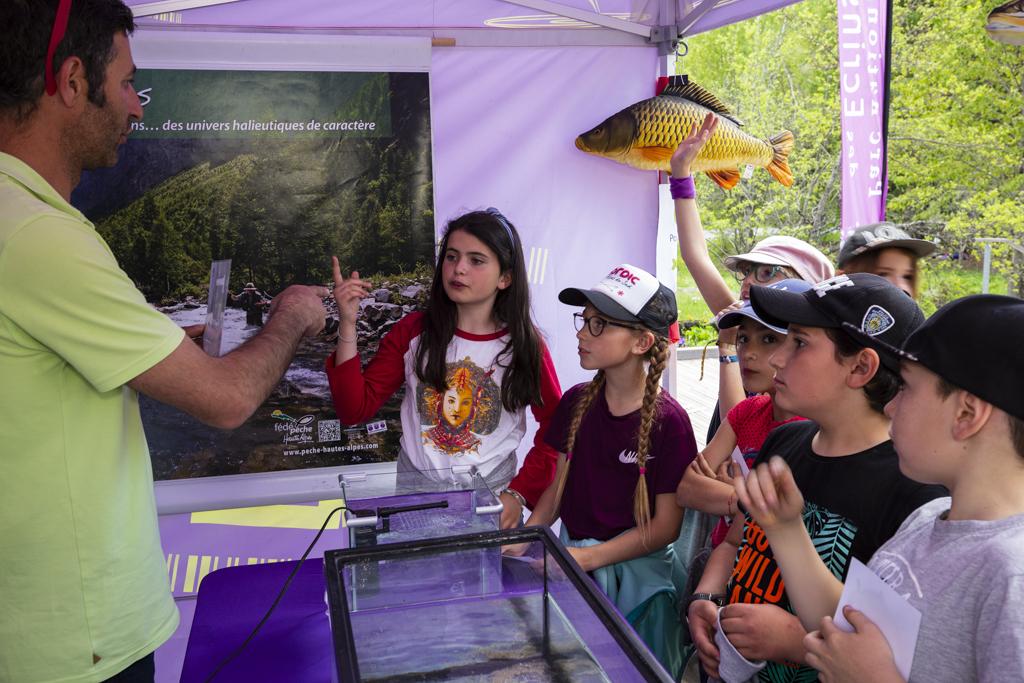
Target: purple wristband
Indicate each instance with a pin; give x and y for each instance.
(682, 188)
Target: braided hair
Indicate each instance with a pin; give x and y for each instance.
(657, 359)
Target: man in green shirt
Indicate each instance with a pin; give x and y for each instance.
(84, 592)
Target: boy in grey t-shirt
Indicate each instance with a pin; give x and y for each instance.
(958, 421)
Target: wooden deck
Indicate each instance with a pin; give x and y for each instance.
(697, 396)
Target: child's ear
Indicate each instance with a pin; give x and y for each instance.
(863, 369)
(970, 415)
(505, 280)
(643, 343)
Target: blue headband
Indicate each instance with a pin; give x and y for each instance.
(504, 223)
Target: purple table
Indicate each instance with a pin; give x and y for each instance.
(294, 644)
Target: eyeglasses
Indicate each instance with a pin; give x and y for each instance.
(596, 324)
(762, 272)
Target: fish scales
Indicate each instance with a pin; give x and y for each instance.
(665, 121)
(645, 134)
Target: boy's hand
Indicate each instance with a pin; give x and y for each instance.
(843, 657)
(702, 616)
(770, 495)
(764, 632)
(684, 156)
(347, 293)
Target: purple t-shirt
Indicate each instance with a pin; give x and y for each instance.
(598, 498)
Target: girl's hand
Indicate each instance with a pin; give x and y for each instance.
(770, 494)
(723, 473)
(582, 557)
(511, 511)
(700, 466)
(734, 306)
(843, 657)
(691, 146)
(348, 293)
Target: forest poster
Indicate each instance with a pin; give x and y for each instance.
(277, 171)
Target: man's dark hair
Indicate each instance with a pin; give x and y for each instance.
(946, 390)
(881, 388)
(92, 25)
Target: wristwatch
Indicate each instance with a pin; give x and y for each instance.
(716, 598)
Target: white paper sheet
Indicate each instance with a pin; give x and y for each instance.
(738, 458)
(897, 619)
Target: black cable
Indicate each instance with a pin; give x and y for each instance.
(227, 660)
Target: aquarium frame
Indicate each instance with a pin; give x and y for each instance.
(342, 637)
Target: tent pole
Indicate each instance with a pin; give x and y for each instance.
(595, 18)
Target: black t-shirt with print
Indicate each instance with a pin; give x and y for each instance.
(852, 505)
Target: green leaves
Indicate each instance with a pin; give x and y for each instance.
(956, 146)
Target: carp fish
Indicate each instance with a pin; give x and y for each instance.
(645, 135)
(1006, 23)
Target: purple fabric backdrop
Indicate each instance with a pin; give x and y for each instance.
(862, 41)
(504, 123)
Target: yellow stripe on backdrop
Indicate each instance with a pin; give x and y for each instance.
(275, 516)
(196, 567)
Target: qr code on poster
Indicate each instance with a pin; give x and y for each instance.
(328, 430)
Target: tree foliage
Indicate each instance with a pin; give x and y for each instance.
(956, 150)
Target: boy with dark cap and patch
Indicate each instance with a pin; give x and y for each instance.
(958, 421)
(841, 456)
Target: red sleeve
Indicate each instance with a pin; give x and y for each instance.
(358, 394)
(538, 468)
(742, 411)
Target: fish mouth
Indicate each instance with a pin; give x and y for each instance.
(580, 145)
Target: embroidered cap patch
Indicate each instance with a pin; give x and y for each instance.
(876, 321)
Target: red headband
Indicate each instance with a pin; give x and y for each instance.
(60, 25)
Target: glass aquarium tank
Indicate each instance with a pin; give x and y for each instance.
(390, 507)
(457, 608)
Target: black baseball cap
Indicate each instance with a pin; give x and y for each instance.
(881, 236)
(864, 306)
(629, 294)
(974, 344)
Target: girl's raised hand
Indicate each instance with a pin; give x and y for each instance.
(348, 292)
(687, 151)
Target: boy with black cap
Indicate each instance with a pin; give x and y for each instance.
(958, 421)
(842, 458)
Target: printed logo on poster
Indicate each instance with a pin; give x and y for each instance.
(296, 430)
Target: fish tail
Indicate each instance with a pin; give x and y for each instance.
(782, 145)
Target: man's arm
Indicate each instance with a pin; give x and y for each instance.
(223, 392)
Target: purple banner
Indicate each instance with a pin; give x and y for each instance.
(862, 77)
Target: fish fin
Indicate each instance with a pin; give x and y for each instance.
(681, 86)
(725, 179)
(782, 145)
(660, 155)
